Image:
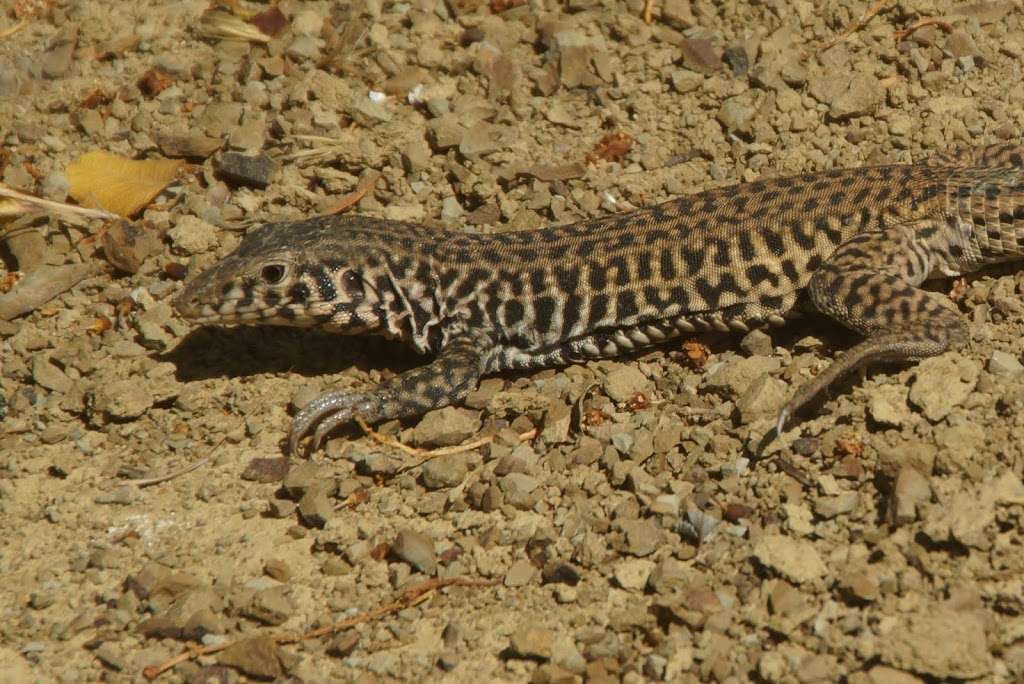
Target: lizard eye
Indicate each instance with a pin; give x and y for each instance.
(272, 274)
(353, 284)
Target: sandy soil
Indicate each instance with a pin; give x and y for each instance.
(634, 537)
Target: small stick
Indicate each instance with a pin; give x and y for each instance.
(58, 207)
(903, 34)
(149, 481)
(649, 12)
(868, 15)
(409, 597)
(364, 186)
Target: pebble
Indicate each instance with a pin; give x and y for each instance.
(269, 606)
(127, 245)
(880, 674)
(257, 657)
(192, 235)
(1003, 364)
(701, 55)
(757, 343)
(315, 507)
(254, 171)
(444, 471)
(732, 378)
(517, 489)
(941, 383)
(417, 550)
(623, 382)
(942, 643)
(887, 405)
(829, 507)
(910, 490)
(277, 569)
(48, 375)
(444, 427)
(187, 145)
(763, 398)
(643, 537)
(532, 642)
(520, 573)
(795, 559)
(632, 574)
(342, 645)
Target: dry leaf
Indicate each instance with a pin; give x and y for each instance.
(118, 184)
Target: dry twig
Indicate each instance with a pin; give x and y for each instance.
(869, 14)
(56, 207)
(364, 186)
(409, 597)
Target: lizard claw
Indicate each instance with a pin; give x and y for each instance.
(780, 425)
(326, 412)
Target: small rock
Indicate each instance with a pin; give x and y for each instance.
(444, 471)
(255, 171)
(643, 537)
(128, 244)
(632, 574)
(417, 550)
(304, 477)
(623, 383)
(57, 60)
(795, 559)
(763, 398)
(48, 375)
(942, 382)
(910, 490)
(942, 643)
(557, 423)
(269, 606)
(757, 343)
(880, 674)
(189, 145)
(532, 642)
(887, 405)
(446, 427)
(829, 507)
(520, 573)
(677, 14)
(799, 519)
(193, 235)
(481, 138)
(277, 569)
(860, 95)
(517, 489)
(266, 470)
(343, 644)
(1003, 364)
(737, 113)
(731, 379)
(304, 48)
(257, 657)
(860, 585)
(700, 55)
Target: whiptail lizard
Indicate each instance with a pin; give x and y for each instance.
(852, 243)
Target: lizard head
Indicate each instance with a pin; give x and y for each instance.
(321, 272)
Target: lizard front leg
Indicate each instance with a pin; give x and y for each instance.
(870, 284)
(449, 378)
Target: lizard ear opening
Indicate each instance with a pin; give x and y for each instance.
(353, 285)
(272, 274)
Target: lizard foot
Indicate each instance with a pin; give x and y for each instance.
(328, 411)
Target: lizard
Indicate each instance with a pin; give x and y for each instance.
(854, 244)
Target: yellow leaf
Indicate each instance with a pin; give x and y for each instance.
(118, 184)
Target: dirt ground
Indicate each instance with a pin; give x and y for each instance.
(615, 525)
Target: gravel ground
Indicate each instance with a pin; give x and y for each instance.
(636, 535)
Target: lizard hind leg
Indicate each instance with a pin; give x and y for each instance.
(870, 284)
(449, 378)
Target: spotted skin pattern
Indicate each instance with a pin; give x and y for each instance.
(854, 244)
